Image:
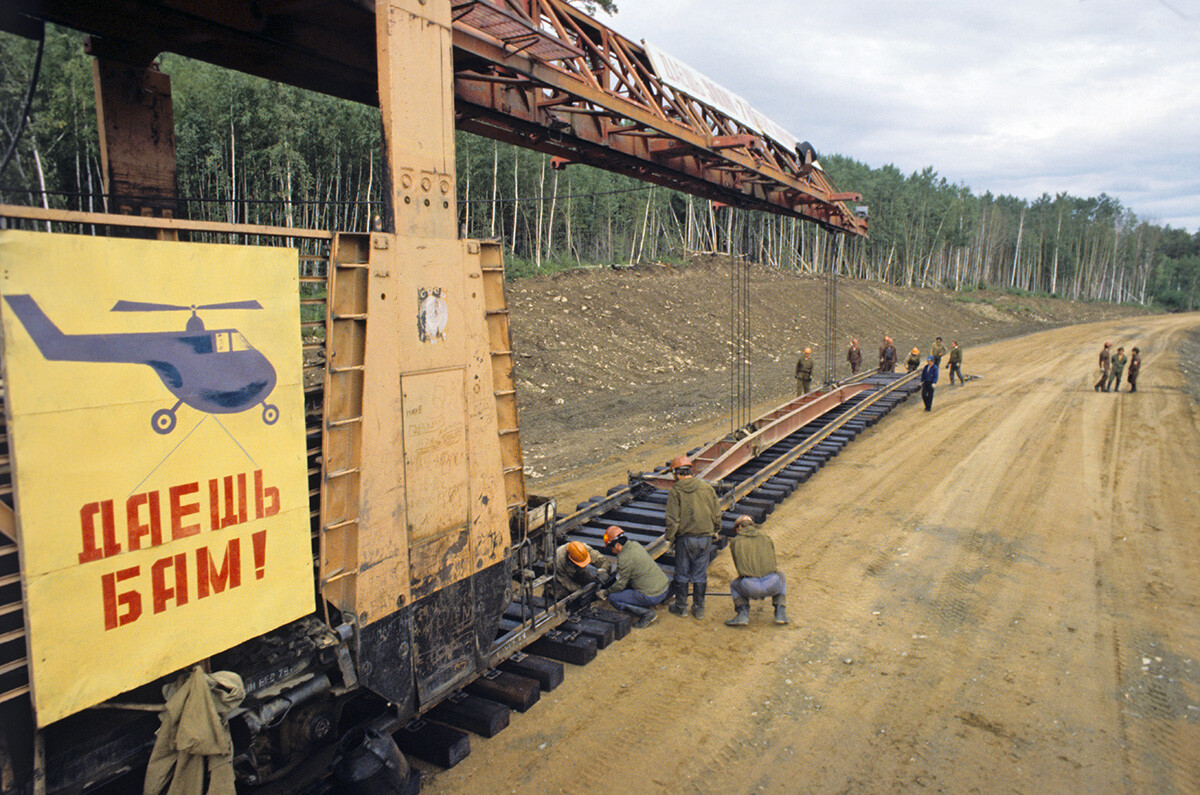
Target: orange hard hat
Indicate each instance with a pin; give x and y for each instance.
(915, 351)
(680, 462)
(808, 350)
(577, 551)
(613, 535)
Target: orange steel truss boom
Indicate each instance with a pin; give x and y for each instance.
(537, 73)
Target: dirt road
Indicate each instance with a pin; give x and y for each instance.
(999, 596)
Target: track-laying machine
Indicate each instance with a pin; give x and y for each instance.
(201, 474)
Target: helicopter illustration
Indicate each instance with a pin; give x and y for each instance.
(213, 371)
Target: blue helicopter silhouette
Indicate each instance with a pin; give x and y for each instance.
(213, 371)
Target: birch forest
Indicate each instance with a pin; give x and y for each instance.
(256, 152)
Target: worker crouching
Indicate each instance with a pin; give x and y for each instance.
(758, 575)
(640, 583)
(576, 565)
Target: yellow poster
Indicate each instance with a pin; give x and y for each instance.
(155, 415)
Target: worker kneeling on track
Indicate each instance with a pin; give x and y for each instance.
(577, 565)
(640, 583)
(758, 575)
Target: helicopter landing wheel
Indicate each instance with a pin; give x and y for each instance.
(270, 414)
(163, 421)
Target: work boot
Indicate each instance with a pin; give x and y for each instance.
(698, 590)
(645, 615)
(742, 618)
(780, 603)
(679, 607)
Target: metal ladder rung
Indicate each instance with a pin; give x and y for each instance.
(340, 473)
(340, 423)
(15, 665)
(353, 368)
(356, 316)
(504, 392)
(340, 523)
(508, 431)
(16, 692)
(12, 635)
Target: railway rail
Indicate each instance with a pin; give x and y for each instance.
(539, 633)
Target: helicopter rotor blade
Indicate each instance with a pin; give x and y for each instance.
(142, 306)
(232, 305)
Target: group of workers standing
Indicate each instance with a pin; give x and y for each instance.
(1112, 367)
(693, 525)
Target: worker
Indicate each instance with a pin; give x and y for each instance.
(955, 362)
(693, 518)
(1135, 366)
(1117, 370)
(804, 368)
(913, 361)
(1105, 363)
(887, 356)
(758, 575)
(640, 583)
(929, 377)
(577, 565)
(937, 351)
(854, 356)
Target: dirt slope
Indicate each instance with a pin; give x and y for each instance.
(611, 360)
(997, 596)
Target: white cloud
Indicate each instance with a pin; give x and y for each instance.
(1024, 97)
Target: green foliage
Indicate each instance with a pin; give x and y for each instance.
(258, 152)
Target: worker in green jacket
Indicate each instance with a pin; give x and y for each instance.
(937, 351)
(956, 363)
(692, 518)
(804, 370)
(1118, 369)
(577, 565)
(640, 583)
(758, 574)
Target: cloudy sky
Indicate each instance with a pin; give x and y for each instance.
(1021, 97)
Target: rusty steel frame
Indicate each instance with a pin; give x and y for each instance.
(723, 457)
(546, 77)
(597, 99)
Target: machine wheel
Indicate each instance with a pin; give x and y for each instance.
(163, 421)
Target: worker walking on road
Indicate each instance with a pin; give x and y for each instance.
(640, 583)
(693, 518)
(577, 565)
(956, 363)
(1117, 370)
(758, 574)
(937, 351)
(1105, 363)
(913, 361)
(929, 377)
(1135, 366)
(887, 356)
(854, 356)
(804, 370)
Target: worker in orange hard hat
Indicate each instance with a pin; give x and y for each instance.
(640, 583)
(913, 361)
(576, 565)
(693, 518)
(804, 370)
